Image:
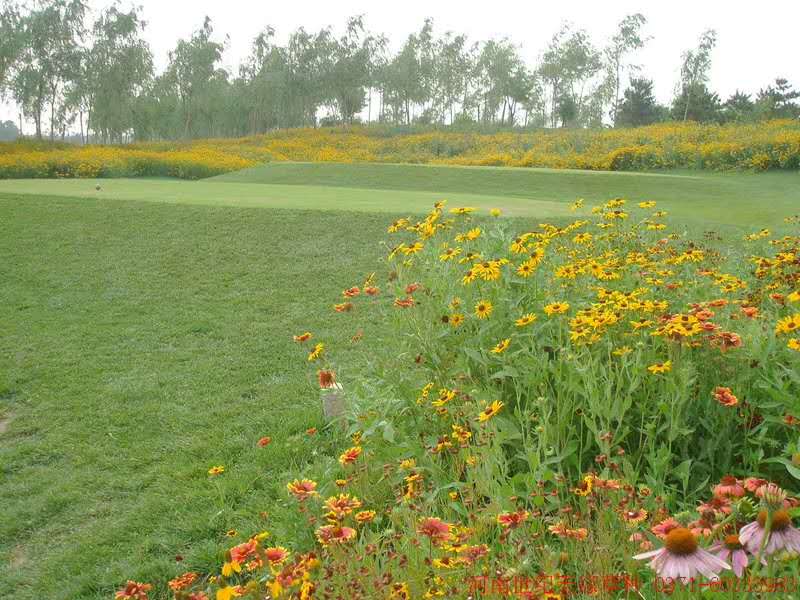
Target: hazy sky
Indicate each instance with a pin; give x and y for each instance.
(755, 44)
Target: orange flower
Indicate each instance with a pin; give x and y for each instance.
(342, 505)
(585, 487)
(435, 529)
(303, 337)
(302, 489)
(276, 555)
(404, 303)
(335, 534)
(634, 516)
(343, 307)
(411, 288)
(182, 582)
(365, 516)
(729, 487)
(791, 420)
(245, 551)
(352, 292)
(350, 455)
(562, 531)
(264, 441)
(371, 291)
(725, 396)
(326, 379)
(726, 340)
(664, 527)
(512, 520)
(134, 591)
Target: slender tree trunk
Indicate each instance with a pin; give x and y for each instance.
(53, 94)
(688, 99)
(616, 95)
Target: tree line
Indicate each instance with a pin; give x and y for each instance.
(68, 70)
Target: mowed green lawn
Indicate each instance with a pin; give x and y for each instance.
(141, 344)
(145, 336)
(700, 197)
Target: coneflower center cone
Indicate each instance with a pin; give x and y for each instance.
(780, 520)
(732, 542)
(681, 541)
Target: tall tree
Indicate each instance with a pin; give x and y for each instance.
(739, 107)
(705, 105)
(50, 58)
(9, 39)
(193, 70)
(638, 106)
(694, 70)
(568, 65)
(118, 65)
(351, 70)
(626, 40)
(778, 101)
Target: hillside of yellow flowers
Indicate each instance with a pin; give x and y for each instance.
(753, 146)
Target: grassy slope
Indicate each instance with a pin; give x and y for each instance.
(696, 195)
(140, 345)
(733, 198)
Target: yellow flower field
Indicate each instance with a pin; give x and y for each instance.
(756, 146)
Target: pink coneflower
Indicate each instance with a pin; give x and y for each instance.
(732, 551)
(782, 536)
(682, 557)
(729, 487)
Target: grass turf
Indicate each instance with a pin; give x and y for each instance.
(700, 197)
(145, 335)
(142, 344)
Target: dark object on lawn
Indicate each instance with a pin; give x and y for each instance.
(97, 187)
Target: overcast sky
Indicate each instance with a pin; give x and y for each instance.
(755, 44)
